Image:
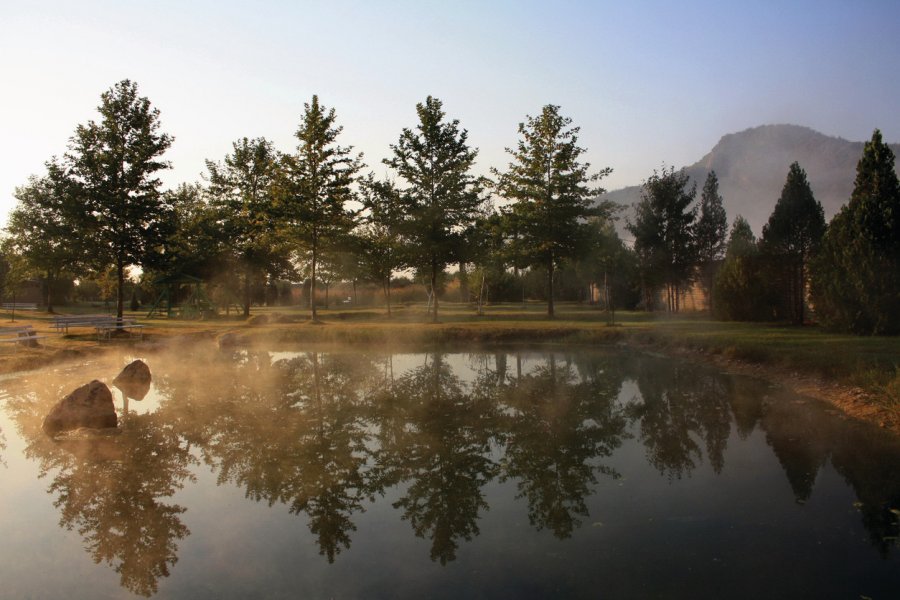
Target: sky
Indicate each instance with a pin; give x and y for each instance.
(648, 83)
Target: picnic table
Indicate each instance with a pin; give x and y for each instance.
(23, 334)
(19, 306)
(62, 322)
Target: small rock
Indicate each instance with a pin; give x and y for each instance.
(134, 380)
(91, 405)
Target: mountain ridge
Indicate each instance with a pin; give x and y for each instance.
(752, 165)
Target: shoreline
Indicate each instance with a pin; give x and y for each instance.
(853, 400)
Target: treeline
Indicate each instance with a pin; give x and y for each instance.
(262, 217)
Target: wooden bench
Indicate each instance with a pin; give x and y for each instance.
(24, 335)
(105, 329)
(19, 306)
(62, 322)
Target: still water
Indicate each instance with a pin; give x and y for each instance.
(506, 474)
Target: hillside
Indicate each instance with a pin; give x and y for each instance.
(752, 165)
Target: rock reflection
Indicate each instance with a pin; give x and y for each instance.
(111, 488)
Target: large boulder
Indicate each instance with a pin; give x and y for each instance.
(91, 405)
(134, 380)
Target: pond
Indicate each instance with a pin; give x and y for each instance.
(329, 473)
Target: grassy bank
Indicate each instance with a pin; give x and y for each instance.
(871, 363)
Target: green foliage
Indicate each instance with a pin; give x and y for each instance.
(856, 278)
(442, 197)
(710, 233)
(663, 234)
(241, 190)
(314, 185)
(112, 166)
(552, 191)
(380, 244)
(739, 290)
(791, 239)
(42, 227)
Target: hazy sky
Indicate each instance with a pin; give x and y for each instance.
(647, 82)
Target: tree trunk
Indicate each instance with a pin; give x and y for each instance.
(463, 283)
(387, 294)
(49, 292)
(312, 286)
(550, 308)
(120, 293)
(434, 317)
(248, 272)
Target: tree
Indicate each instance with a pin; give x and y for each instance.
(442, 196)
(663, 235)
(739, 289)
(552, 191)
(382, 249)
(113, 166)
(792, 237)
(314, 186)
(241, 190)
(41, 227)
(856, 277)
(710, 234)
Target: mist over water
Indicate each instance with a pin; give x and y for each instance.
(532, 473)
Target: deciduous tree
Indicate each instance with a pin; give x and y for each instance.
(552, 190)
(442, 196)
(241, 192)
(315, 186)
(114, 164)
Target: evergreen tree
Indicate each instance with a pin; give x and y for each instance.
(791, 238)
(241, 192)
(552, 191)
(856, 277)
(710, 234)
(113, 165)
(315, 185)
(739, 289)
(442, 196)
(663, 235)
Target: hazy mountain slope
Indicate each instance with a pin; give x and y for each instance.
(752, 166)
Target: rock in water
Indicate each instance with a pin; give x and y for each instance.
(91, 405)
(134, 380)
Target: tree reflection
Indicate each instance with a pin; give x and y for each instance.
(557, 427)
(436, 436)
(111, 488)
(289, 431)
(680, 406)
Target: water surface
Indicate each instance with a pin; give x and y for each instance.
(506, 474)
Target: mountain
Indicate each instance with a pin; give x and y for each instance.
(752, 166)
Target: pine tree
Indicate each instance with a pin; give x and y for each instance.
(552, 191)
(710, 234)
(791, 239)
(856, 278)
(663, 232)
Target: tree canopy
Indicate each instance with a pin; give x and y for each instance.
(552, 191)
